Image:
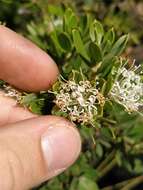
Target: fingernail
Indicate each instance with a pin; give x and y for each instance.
(61, 146)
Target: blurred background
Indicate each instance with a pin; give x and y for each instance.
(126, 16)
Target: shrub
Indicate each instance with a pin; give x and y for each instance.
(99, 89)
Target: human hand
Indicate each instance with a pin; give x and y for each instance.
(32, 148)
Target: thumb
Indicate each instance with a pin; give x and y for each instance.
(35, 150)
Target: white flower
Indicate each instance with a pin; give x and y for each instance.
(128, 89)
(79, 100)
(11, 92)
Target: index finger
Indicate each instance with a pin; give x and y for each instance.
(23, 64)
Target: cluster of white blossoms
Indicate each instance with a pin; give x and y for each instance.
(128, 89)
(79, 100)
(11, 92)
(82, 100)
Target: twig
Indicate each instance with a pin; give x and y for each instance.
(105, 162)
(107, 168)
(125, 184)
(133, 183)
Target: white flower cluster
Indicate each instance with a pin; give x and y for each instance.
(79, 100)
(128, 89)
(12, 93)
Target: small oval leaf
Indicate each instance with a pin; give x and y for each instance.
(119, 45)
(99, 31)
(110, 36)
(86, 183)
(64, 41)
(70, 20)
(95, 53)
(79, 45)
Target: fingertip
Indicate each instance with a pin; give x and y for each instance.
(41, 148)
(26, 67)
(61, 145)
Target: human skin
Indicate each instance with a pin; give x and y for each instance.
(33, 148)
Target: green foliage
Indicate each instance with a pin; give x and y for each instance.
(79, 45)
(85, 184)
(33, 102)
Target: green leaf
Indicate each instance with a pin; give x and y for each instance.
(106, 133)
(108, 40)
(73, 184)
(96, 32)
(54, 184)
(109, 84)
(92, 32)
(87, 184)
(99, 150)
(73, 22)
(118, 157)
(110, 36)
(70, 20)
(31, 29)
(55, 10)
(107, 68)
(56, 86)
(112, 73)
(138, 165)
(117, 49)
(35, 107)
(68, 13)
(28, 99)
(99, 31)
(119, 45)
(38, 41)
(136, 131)
(79, 45)
(95, 53)
(64, 41)
(2, 83)
(54, 40)
(107, 64)
(85, 22)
